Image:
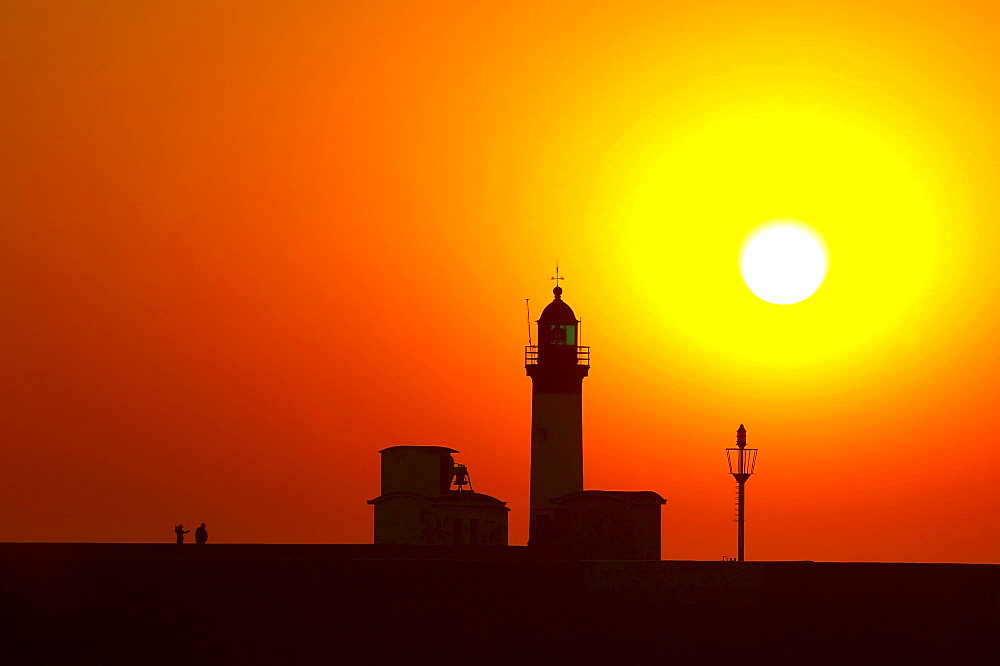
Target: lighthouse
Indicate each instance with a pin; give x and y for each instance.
(419, 504)
(557, 366)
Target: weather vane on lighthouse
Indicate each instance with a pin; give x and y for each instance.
(557, 274)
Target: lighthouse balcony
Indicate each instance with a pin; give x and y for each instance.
(582, 355)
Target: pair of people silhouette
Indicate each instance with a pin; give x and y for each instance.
(200, 534)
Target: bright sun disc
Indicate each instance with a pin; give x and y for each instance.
(784, 263)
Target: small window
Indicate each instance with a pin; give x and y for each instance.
(563, 334)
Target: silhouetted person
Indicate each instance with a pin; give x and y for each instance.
(180, 532)
(201, 535)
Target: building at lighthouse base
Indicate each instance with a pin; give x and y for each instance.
(609, 524)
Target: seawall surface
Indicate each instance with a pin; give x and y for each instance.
(366, 604)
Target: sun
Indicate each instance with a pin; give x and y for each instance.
(783, 262)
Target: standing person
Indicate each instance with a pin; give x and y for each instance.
(180, 532)
(201, 535)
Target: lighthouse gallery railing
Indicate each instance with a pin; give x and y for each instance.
(531, 355)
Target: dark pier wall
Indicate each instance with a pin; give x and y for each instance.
(357, 604)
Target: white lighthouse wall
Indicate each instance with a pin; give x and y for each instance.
(556, 446)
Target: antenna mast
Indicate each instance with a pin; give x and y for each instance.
(527, 307)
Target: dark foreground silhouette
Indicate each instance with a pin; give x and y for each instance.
(180, 532)
(365, 604)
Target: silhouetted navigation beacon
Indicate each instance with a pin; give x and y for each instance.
(741, 465)
(557, 366)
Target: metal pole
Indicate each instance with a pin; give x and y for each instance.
(739, 518)
(744, 460)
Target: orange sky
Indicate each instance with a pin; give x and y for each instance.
(246, 246)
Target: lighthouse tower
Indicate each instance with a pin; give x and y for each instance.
(557, 366)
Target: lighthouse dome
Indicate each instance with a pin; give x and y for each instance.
(557, 312)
